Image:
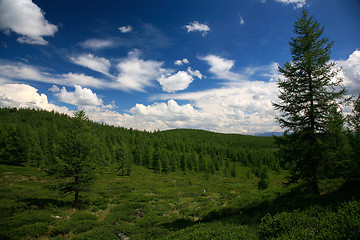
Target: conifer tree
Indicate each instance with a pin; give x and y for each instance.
(76, 162)
(309, 92)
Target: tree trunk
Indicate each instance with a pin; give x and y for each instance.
(76, 200)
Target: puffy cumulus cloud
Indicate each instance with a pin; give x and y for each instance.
(96, 44)
(221, 67)
(351, 72)
(26, 96)
(125, 29)
(179, 81)
(181, 62)
(98, 64)
(54, 89)
(81, 97)
(296, 3)
(137, 74)
(27, 19)
(196, 26)
(166, 116)
(243, 109)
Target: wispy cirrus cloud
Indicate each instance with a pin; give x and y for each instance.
(25, 18)
(92, 62)
(19, 71)
(136, 73)
(295, 3)
(221, 67)
(96, 44)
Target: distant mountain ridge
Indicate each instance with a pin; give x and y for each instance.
(268, 134)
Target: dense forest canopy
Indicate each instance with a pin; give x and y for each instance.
(34, 135)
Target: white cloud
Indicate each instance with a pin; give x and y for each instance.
(71, 79)
(96, 44)
(243, 109)
(54, 89)
(125, 29)
(242, 22)
(179, 81)
(181, 62)
(137, 74)
(80, 97)
(196, 26)
(166, 116)
(221, 67)
(351, 72)
(20, 71)
(27, 19)
(26, 96)
(98, 64)
(195, 73)
(296, 3)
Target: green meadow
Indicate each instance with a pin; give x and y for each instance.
(148, 205)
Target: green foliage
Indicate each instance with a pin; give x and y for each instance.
(14, 145)
(217, 230)
(76, 162)
(315, 222)
(264, 179)
(309, 102)
(101, 232)
(352, 167)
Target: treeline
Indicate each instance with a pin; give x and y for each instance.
(33, 137)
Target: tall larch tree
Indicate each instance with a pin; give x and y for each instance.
(309, 91)
(76, 163)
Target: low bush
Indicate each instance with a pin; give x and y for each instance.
(29, 231)
(315, 222)
(30, 217)
(101, 232)
(83, 216)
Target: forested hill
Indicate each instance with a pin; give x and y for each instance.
(29, 136)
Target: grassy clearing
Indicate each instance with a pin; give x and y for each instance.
(147, 205)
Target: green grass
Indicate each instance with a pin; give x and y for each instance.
(147, 205)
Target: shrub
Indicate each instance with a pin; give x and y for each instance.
(8, 207)
(30, 230)
(30, 217)
(314, 222)
(83, 216)
(101, 232)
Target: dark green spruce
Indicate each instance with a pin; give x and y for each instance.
(309, 98)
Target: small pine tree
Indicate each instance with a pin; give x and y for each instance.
(264, 179)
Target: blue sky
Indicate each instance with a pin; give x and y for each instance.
(152, 65)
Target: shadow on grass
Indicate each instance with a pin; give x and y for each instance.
(178, 224)
(287, 202)
(43, 203)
